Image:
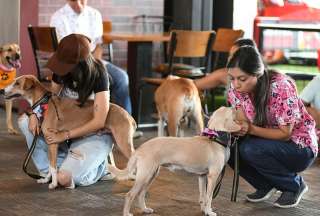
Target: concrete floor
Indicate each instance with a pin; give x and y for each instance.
(171, 194)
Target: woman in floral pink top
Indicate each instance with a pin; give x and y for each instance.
(278, 135)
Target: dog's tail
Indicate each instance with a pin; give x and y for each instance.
(128, 172)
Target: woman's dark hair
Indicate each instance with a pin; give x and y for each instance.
(83, 77)
(249, 60)
(244, 42)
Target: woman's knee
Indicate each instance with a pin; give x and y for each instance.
(65, 178)
(251, 150)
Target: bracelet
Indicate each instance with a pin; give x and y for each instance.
(30, 113)
(67, 135)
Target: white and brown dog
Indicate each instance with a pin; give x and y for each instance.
(177, 100)
(65, 114)
(9, 63)
(199, 155)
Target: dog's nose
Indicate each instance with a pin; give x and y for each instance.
(17, 56)
(2, 92)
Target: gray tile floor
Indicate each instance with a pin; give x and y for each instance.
(171, 194)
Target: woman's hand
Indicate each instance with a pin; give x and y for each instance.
(34, 124)
(245, 126)
(53, 136)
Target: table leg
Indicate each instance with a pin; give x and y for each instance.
(139, 65)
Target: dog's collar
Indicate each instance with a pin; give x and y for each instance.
(221, 137)
(6, 69)
(42, 100)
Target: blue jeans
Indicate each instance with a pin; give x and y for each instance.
(267, 164)
(85, 159)
(120, 87)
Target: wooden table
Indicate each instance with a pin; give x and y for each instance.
(139, 60)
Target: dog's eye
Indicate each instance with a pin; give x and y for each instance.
(9, 49)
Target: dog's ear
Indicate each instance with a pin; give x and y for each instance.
(223, 120)
(27, 84)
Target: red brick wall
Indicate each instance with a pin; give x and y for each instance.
(120, 12)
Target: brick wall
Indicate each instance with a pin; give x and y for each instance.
(120, 12)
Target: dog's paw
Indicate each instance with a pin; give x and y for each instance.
(147, 210)
(210, 213)
(43, 180)
(13, 131)
(52, 186)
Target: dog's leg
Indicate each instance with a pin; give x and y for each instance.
(198, 119)
(202, 190)
(142, 194)
(53, 153)
(145, 172)
(11, 130)
(161, 127)
(173, 119)
(212, 179)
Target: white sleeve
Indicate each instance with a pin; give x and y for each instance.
(309, 92)
(98, 29)
(57, 22)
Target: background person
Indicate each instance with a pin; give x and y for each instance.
(77, 17)
(220, 76)
(280, 136)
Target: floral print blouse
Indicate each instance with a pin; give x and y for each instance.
(284, 107)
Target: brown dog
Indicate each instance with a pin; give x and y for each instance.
(65, 114)
(198, 155)
(9, 62)
(177, 100)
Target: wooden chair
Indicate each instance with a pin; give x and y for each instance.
(44, 42)
(224, 40)
(107, 46)
(185, 45)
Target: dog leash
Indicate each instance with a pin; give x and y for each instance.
(27, 159)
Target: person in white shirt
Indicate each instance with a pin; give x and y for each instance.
(77, 17)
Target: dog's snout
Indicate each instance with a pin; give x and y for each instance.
(17, 56)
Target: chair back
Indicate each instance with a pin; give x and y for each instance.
(43, 40)
(190, 44)
(225, 39)
(107, 46)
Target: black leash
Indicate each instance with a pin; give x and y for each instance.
(235, 184)
(27, 159)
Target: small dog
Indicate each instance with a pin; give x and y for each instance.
(9, 62)
(199, 155)
(65, 114)
(177, 100)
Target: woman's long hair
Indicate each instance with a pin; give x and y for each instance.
(249, 60)
(83, 77)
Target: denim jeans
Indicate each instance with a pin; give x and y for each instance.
(266, 163)
(120, 87)
(85, 159)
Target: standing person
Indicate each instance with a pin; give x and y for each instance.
(279, 138)
(77, 17)
(220, 76)
(78, 75)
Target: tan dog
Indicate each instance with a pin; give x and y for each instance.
(65, 114)
(177, 99)
(9, 62)
(198, 155)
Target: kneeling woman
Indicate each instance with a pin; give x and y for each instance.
(279, 138)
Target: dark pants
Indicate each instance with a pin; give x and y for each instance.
(266, 163)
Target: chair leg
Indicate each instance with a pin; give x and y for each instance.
(235, 184)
